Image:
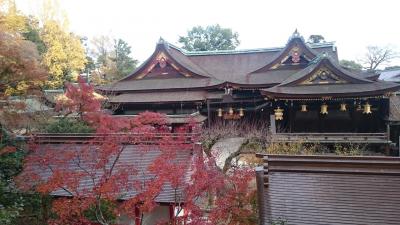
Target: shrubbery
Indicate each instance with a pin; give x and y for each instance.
(65, 125)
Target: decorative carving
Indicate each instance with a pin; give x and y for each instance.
(162, 65)
(162, 62)
(295, 54)
(323, 76)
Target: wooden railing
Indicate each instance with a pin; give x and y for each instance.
(129, 137)
(331, 137)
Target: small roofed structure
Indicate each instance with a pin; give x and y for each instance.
(329, 190)
(78, 154)
(390, 75)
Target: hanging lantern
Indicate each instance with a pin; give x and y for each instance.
(324, 109)
(241, 112)
(230, 111)
(343, 107)
(303, 108)
(219, 112)
(278, 113)
(367, 108)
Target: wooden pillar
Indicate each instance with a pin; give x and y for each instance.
(208, 113)
(291, 118)
(399, 146)
(171, 214)
(273, 124)
(138, 218)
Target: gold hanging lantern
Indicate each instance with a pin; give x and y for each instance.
(219, 112)
(278, 113)
(303, 108)
(324, 109)
(343, 107)
(230, 111)
(241, 112)
(367, 108)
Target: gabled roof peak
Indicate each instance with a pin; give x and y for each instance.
(296, 35)
(161, 40)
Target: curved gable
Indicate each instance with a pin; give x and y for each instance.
(166, 64)
(323, 71)
(296, 54)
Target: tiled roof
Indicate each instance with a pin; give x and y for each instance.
(317, 190)
(332, 90)
(159, 84)
(180, 96)
(218, 66)
(354, 85)
(272, 70)
(132, 156)
(390, 75)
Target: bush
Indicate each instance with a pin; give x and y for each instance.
(65, 125)
(294, 148)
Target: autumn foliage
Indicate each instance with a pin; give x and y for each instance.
(128, 166)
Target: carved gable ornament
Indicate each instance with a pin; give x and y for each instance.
(295, 54)
(323, 76)
(162, 66)
(294, 57)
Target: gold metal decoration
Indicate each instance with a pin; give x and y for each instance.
(219, 112)
(324, 76)
(303, 108)
(241, 112)
(343, 107)
(324, 109)
(230, 111)
(367, 108)
(278, 113)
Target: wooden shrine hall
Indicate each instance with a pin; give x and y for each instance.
(299, 89)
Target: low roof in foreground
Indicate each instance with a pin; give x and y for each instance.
(139, 157)
(329, 190)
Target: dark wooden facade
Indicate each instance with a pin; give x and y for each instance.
(252, 84)
(329, 190)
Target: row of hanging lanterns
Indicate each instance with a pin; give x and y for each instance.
(231, 112)
(324, 109)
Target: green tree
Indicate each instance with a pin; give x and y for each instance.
(124, 63)
(351, 65)
(32, 34)
(210, 38)
(316, 38)
(113, 59)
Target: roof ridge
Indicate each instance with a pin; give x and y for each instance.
(243, 51)
(314, 64)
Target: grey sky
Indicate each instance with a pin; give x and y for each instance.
(352, 24)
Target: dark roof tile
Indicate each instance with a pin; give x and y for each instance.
(132, 156)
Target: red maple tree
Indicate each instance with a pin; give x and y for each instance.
(128, 167)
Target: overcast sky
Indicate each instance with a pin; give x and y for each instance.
(352, 24)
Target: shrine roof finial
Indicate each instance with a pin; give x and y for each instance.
(296, 35)
(161, 41)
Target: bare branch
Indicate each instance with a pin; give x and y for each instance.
(377, 56)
